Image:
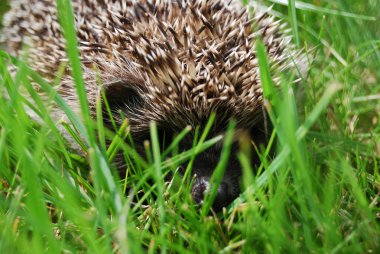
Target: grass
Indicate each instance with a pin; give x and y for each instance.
(319, 193)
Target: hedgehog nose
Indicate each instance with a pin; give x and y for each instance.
(202, 187)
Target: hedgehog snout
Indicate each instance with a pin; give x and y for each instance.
(202, 187)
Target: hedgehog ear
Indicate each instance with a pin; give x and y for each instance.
(121, 94)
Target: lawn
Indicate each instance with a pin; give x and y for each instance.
(317, 193)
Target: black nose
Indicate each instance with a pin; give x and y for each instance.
(202, 186)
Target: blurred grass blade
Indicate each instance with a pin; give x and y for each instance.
(293, 21)
(66, 17)
(158, 176)
(311, 7)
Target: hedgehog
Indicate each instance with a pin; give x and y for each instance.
(165, 61)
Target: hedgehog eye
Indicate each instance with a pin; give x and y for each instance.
(120, 94)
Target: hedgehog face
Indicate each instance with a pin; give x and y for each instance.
(134, 105)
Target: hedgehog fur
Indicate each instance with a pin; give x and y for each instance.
(171, 62)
